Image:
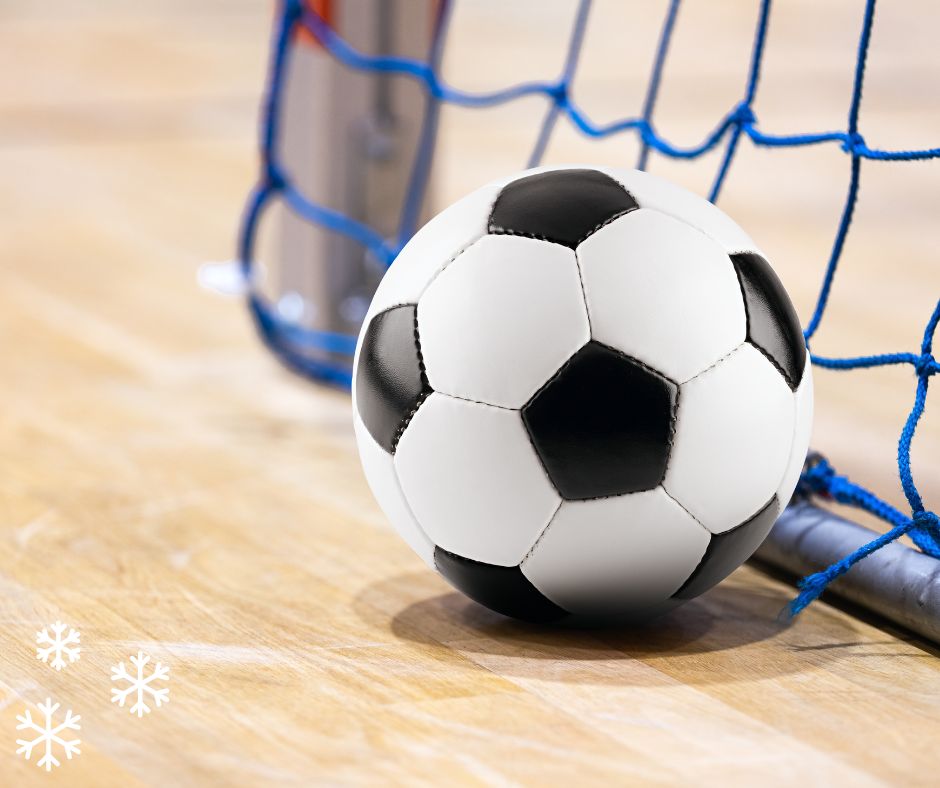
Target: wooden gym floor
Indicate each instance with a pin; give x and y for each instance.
(165, 486)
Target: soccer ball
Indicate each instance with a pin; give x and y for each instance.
(582, 393)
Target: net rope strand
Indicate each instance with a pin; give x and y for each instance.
(291, 342)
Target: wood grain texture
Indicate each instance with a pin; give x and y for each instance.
(165, 486)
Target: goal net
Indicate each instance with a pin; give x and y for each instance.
(366, 233)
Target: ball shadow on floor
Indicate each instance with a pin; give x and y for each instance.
(720, 637)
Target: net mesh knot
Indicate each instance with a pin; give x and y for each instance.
(926, 365)
(559, 93)
(743, 115)
(273, 177)
(817, 476)
(926, 532)
(854, 143)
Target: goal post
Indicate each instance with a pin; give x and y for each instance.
(348, 140)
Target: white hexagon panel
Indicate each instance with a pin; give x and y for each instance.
(666, 197)
(734, 432)
(615, 556)
(383, 481)
(662, 292)
(474, 483)
(500, 320)
(801, 435)
(652, 192)
(451, 231)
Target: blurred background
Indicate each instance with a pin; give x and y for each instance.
(128, 137)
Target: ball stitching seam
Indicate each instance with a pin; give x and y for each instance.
(426, 389)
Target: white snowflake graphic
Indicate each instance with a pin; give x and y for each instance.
(140, 684)
(49, 734)
(58, 647)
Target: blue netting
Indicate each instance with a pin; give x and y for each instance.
(292, 342)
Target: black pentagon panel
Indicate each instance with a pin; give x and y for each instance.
(603, 425)
(727, 551)
(501, 588)
(562, 206)
(772, 324)
(390, 379)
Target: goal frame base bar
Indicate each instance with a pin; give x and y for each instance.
(900, 584)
